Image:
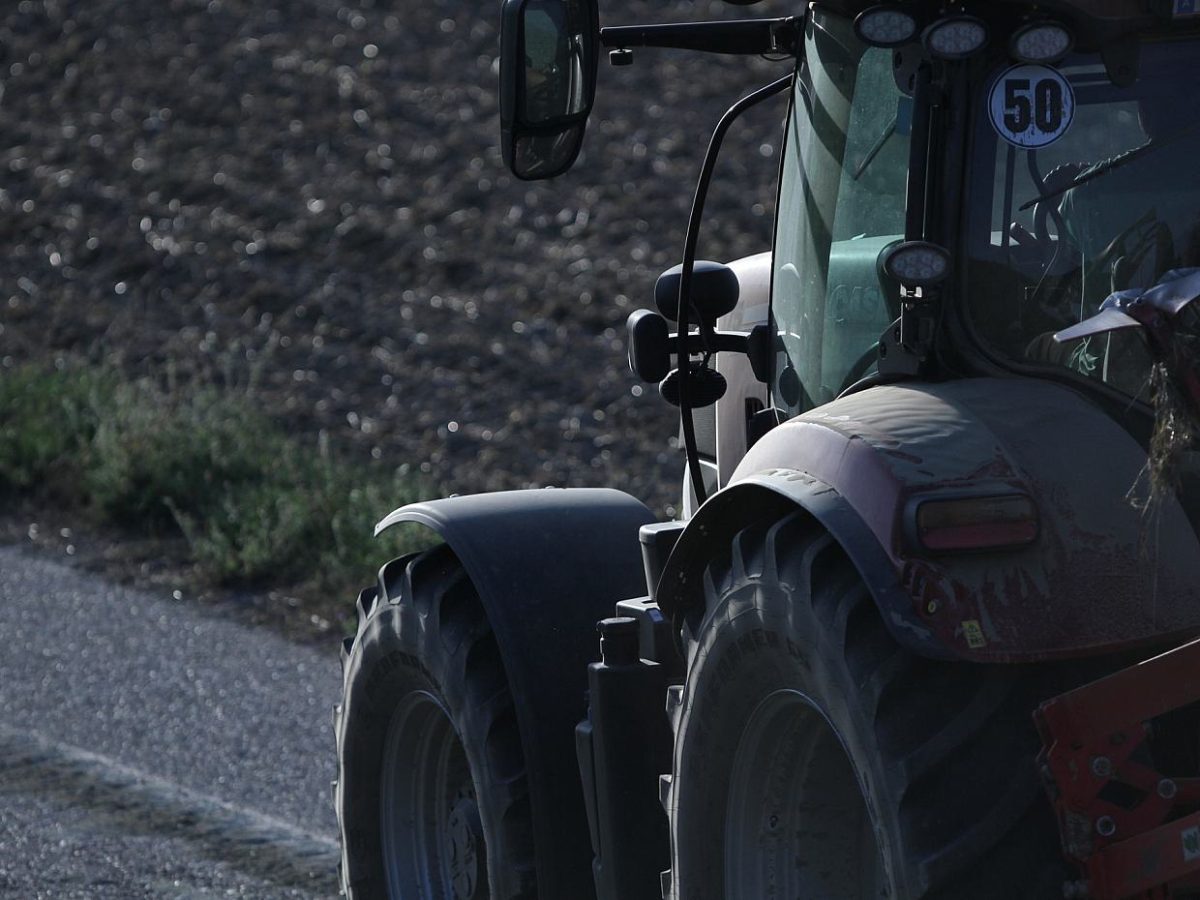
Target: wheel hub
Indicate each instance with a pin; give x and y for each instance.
(797, 823)
(431, 832)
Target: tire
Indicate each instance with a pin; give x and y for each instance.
(815, 757)
(431, 796)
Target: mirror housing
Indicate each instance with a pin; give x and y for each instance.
(715, 290)
(548, 58)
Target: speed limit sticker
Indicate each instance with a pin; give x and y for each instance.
(1031, 106)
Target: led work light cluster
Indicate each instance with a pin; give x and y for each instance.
(959, 36)
(916, 264)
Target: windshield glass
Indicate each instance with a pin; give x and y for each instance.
(1081, 188)
(841, 201)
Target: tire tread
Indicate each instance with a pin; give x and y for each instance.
(433, 610)
(955, 842)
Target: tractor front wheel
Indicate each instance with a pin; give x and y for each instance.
(816, 757)
(431, 797)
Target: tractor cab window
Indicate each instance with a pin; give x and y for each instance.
(841, 201)
(1081, 188)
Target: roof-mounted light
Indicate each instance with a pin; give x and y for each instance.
(916, 264)
(955, 37)
(1041, 42)
(886, 25)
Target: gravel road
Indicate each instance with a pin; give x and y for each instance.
(149, 750)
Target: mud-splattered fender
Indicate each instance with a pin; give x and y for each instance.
(1098, 575)
(773, 494)
(548, 564)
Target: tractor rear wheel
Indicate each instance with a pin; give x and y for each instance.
(431, 796)
(816, 757)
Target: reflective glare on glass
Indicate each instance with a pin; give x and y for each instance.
(885, 27)
(918, 264)
(1041, 43)
(544, 155)
(554, 80)
(955, 38)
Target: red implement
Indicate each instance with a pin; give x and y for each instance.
(1134, 829)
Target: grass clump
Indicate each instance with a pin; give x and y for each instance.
(47, 422)
(156, 455)
(256, 505)
(310, 514)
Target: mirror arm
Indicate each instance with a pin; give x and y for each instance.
(714, 342)
(687, 424)
(729, 342)
(745, 37)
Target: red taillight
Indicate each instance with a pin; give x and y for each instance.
(976, 523)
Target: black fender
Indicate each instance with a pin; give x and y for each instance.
(774, 494)
(547, 564)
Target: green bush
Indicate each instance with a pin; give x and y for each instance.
(255, 505)
(155, 456)
(310, 520)
(47, 423)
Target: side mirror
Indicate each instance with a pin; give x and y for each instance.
(548, 57)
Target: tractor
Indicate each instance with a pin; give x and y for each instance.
(923, 626)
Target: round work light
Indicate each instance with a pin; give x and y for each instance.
(1041, 42)
(955, 37)
(885, 25)
(916, 264)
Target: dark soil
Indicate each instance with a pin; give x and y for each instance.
(309, 195)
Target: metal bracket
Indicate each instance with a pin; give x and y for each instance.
(1135, 831)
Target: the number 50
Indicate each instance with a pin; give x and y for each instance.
(1025, 105)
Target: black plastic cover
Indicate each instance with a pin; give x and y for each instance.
(715, 291)
(649, 345)
(548, 564)
(707, 387)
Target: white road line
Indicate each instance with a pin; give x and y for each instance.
(139, 802)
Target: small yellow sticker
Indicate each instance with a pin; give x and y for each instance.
(974, 634)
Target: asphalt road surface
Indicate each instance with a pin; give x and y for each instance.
(151, 750)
